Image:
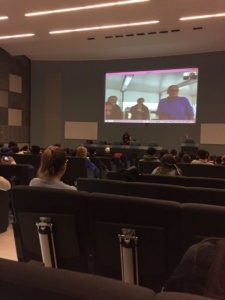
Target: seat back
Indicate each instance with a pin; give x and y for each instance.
(69, 215)
(4, 210)
(156, 224)
(146, 167)
(22, 173)
(76, 167)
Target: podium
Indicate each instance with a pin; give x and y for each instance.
(190, 147)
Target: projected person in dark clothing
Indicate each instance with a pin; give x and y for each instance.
(116, 113)
(140, 111)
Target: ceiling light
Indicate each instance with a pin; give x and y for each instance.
(3, 18)
(103, 27)
(203, 17)
(16, 36)
(84, 7)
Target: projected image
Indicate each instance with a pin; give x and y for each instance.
(154, 96)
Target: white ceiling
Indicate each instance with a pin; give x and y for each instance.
(169, 37)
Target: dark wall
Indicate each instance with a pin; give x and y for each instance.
(81, 88)
(13, 102)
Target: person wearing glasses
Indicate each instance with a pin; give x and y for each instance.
(52, 168)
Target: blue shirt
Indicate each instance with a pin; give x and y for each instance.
(179, 109)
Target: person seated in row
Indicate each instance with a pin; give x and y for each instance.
(82, 152)
(150, 155)
(168, 166)
(52, 168)
(202, 158)
(201, 271)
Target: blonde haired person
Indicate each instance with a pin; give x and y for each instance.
(82, 152)
(52, 168)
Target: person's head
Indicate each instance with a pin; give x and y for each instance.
(151, 151)
(107, 150)
(173, 91)
(173, 152)
(168, 161)
(108, 110)
(186, 158)
(203, 154)
(53, 163)
(81, 151)
(140, 100)
(113, 100)
(15, 149)
(92, 151)
(163, 152)
(25, 148)
(35, 149)
(12, 144)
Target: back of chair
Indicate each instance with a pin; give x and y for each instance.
(102, 186)
(146, 167)
(21, 174)
(26, 281)
(156, 225)
(69, 215)
(76, 167)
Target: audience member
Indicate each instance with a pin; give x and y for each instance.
(162, 152)
(15, 149)
(201, 271)
(168, 166)
(202, 158)
(12, 144)
(174, 107)
(150, 155)
(223, 160)
(24, 150)
(186, 158)
(82, 152)
(175, 155)
(7, 160)
(116, 112)
(52, 168)
(35, 149)
(140, 111)
(4, 184)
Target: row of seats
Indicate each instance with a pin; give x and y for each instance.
(86, 228)
(218, 183)
(172, 192)
(196, 170)
(24, 281)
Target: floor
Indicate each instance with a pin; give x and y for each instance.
(7, 244)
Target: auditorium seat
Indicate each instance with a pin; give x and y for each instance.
(30, 159)
(199, 221)
(20, 174)
(76, 167)
(68, 212)
(202, 170)
(29, 281)
(146, 167)
(156, 224)
(4, 210)
(102, 186)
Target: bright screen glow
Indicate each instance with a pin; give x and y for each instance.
(154, 96)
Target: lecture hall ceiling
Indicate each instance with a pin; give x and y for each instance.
(93, 38)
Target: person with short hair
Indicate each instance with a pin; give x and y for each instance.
(174, 107)
(52, 168)
(140, 111)
(150, 155)
(82, 152)
(202, 158)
